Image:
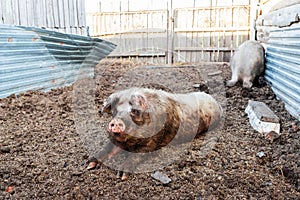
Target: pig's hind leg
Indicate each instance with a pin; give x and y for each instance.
(233, 81)
(247, 82)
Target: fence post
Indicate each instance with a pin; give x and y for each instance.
(253, 16)
(170, 33)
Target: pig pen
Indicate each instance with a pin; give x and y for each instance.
(43, 157)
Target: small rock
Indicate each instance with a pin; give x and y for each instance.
(215, 73)
(293, 128)
(161, 177)
(261, 154)
(201, 87)
(77, 173)
(269, 183)
(196, 85)
(261, 81)
(199, 198)
(272, 135)
(262, 118)
(10, 189)
(245, 92)
(5, 150)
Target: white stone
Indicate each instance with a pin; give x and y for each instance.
(261, 117)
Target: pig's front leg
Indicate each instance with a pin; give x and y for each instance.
(123, 175)
(110, 150)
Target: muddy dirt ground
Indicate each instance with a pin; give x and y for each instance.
(43, 156)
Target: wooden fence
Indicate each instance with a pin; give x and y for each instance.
(140, 35)
(67, 16)
(209, 33)
(181, 35)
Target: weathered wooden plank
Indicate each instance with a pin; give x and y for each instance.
(43, 15)
(1, 12)
(55, 6)
(70, 13)
(74, 14)
(213, 29)
(7, 16)
(203, 34)
(30, 12)
(195, 48)
(61, 14)
(81, 13)
(23, 13)
(15, 10)
(49, 14)
(66, 14)
(37, 19)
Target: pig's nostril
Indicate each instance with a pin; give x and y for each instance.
(116, 126)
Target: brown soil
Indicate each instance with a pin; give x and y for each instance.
(43, 156)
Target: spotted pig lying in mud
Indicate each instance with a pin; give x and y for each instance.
(247, 63)
(145, 120)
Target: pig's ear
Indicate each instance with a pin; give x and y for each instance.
(139, 100)
(107, 104)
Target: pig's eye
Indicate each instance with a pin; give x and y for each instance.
(135, 112)
(114, 112)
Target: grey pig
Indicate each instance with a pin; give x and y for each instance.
(247, 63)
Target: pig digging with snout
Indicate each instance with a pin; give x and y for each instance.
(247, 64)
(146, 120)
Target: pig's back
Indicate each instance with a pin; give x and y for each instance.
(202, 104)
(248, 58)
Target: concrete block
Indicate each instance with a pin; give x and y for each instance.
(262, 118)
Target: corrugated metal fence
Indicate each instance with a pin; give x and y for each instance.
(282, 67)
(34, 58)
(182, 35)
(67, 16)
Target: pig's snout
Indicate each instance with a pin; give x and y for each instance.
(116, 126)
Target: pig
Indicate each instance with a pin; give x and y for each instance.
(145, 120)
(247, 64)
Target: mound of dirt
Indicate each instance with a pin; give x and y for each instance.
(43, 156)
